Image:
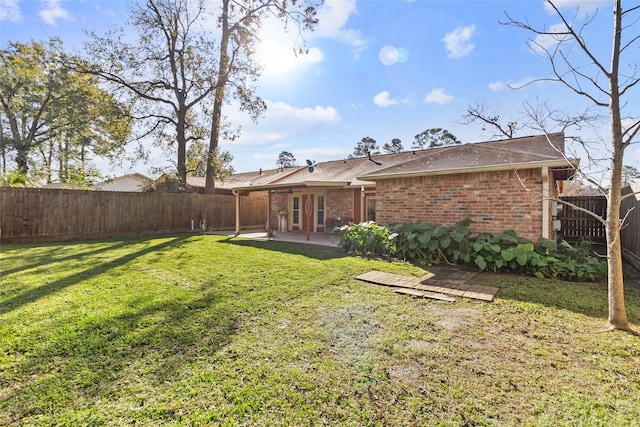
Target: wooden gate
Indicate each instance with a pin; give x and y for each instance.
(578, 225)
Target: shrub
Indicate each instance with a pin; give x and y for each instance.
(367, 238)
(427, 244)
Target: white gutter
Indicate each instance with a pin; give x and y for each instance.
(494, 168)
(284, 186)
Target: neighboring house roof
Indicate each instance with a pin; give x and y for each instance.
(130, 182)
(63, 186)
(243, 179)
(516, 153)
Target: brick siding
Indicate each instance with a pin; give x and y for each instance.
(339, 203)
(496, 201)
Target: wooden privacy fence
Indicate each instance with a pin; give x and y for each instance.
(38, 215)
(576, 225)
(630, 233)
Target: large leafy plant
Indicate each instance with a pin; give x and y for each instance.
(427, 244)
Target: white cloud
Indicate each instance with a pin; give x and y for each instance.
(500, 85)
(544, 42)
(282, 121)
(383, 99)
(437, 96)
(270, 158)
(332, 19)
(321, 153)
(51, 12)
(584, 6)
(458, 42)
(10, 10)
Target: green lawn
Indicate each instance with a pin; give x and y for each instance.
(206, 330)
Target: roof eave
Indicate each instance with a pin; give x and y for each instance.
(287, 185)
(572, 163)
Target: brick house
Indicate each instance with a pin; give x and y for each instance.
(501, 185)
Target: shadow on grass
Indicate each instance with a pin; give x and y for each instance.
(123, 357)
(49, 256)
(590, 299)
(51, 287)
(310, 251)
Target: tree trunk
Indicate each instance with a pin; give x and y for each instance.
(217, 102)
(182, 149)
(617, 311)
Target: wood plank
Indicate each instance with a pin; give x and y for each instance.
(389, 279)
(421, 294)
(445, 286)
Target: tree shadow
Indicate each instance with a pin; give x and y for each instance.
(46, 289)
(146, 345)
(318, 252)
(50, 256)
(587, 298)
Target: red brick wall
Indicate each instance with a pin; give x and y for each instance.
(339, 203)
(488, 198)
(278, 201)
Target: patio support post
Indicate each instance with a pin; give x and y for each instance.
(237, 211)
(269, 215)
(546, 204)
(307, 213)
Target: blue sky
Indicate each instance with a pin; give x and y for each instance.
(379, 68)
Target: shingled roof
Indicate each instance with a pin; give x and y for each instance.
(516, 153)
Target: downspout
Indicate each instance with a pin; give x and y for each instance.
(546, 204)
(235, 193)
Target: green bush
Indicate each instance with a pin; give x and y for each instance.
(367, 238)
(427, 244)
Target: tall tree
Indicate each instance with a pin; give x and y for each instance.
(366, 146)
(576, 65)
(434, 138)
(168, 72)
(44, 101)
(285, 160)
(395, 146)
(238, 22)
(198, 158)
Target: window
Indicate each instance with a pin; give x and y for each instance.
(320, 210)
(371, 208)
(296, 210)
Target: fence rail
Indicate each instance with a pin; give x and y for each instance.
(39, 215)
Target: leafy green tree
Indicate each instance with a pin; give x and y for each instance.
(365, 147)
(196, 159)
(168, 72)
(14, 178)
(395, 146)
(630, 174)
(238, 21)
(434, 138)
(44, 101)
(285, 160)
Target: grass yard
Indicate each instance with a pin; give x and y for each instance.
(207, 330)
